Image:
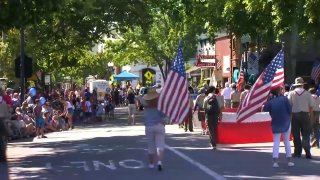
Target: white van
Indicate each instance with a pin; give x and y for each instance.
(101, 86)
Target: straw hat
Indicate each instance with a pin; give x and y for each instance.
(151, 94)
(299, 81)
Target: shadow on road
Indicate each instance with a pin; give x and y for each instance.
(4, 171)
(244, 162)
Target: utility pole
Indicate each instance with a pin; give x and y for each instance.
(22, 70)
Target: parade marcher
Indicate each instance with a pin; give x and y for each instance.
(302, 103)
(286, 90)
(4, 133)
(279, 109)
(131, 106)
(226, 93)
(219, 99)
(199, 106)
(154, 128)
(195, 89)
(40, 123)
(235, 96)
(245, 92)
(213, 115)
(188, 124)
(315, 118)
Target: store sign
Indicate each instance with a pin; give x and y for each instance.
(47, 79)
(206, 61)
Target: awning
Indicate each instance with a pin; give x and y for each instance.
(124, 75)
(194, 68)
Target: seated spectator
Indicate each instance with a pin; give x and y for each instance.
(55, 123)
(60, 118)
(15, 101)
(47, 119)
(18, 127)
(24, 107)
(28, 121)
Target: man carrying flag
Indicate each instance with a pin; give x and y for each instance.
(174, 97)
(271, 77)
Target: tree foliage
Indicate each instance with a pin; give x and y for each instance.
(268, 20)
(60, 34)
(171, 21)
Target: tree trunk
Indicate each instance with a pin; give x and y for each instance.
(162, 71)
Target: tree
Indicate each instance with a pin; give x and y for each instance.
(60, 34)
(264, 20)
(158, 45)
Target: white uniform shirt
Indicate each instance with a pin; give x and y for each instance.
(300, 100)
(226, 93)
(316, 101)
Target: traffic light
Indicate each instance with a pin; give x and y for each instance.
(27, 67)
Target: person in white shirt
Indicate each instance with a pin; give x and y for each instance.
(302, 108)
(226, 93)
(315, 118)
(88, 109)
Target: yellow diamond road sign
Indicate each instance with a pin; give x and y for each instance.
(148, 75)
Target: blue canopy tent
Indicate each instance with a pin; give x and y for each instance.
(124, 75)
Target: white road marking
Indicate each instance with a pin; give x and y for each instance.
(197, 164)
(250, 177)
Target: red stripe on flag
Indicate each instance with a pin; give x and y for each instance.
(183, 102)
(176, 96)
(170, 93)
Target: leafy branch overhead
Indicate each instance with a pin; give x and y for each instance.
(60, 34)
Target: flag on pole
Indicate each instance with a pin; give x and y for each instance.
(174, 98)
(271, 77)
(315, 70)
(253, 63)
(241, 77)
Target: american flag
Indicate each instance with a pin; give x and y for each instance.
(241, 78)
(174, 97)
(253, 63)
(271, 77)
(315, 70)
(253, 60)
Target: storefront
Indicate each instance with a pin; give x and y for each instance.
(210, 69)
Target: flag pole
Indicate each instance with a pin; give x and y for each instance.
(284, 60)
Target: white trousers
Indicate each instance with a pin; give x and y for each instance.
(276, 143)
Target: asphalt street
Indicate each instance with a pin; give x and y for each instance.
(113, 150)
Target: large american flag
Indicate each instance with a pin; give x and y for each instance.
(174, 98)
(315, 70)
(241, 78)
(271, 77)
